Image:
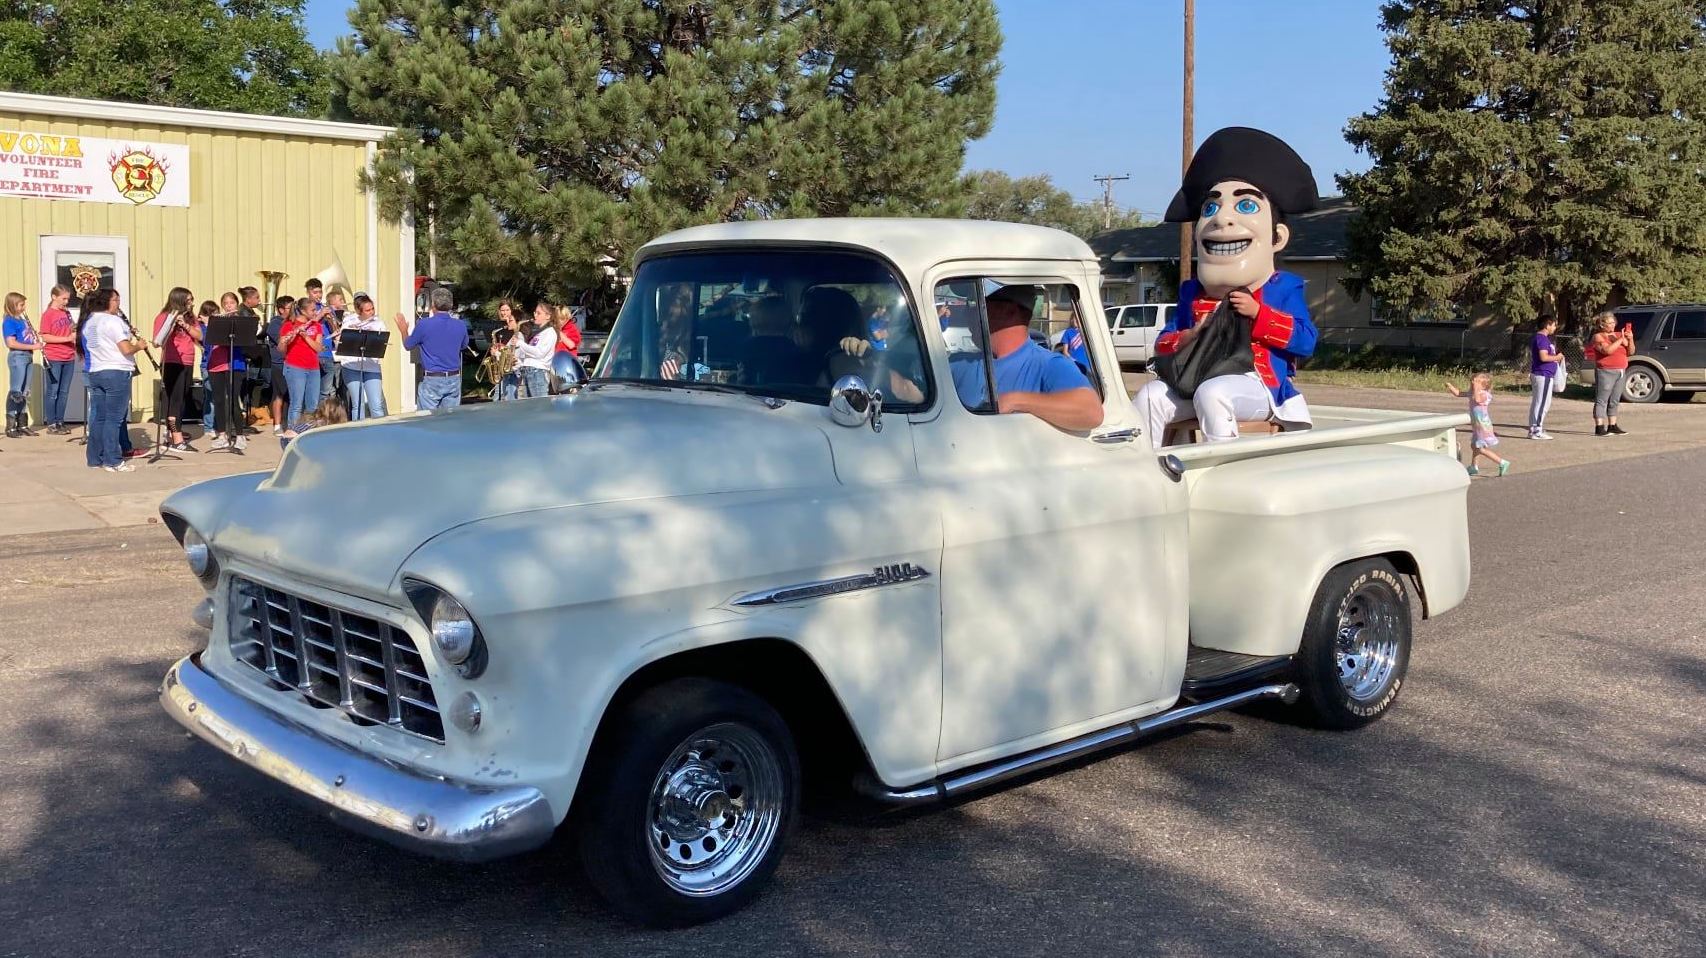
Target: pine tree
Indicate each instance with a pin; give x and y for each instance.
(546, 136)
(249, 56)
(1540, 157)
(1036, 200)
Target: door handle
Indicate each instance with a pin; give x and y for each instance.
(1118, 435)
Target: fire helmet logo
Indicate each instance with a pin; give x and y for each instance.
(138, 175)
(85, 279)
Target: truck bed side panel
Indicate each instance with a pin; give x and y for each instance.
(1264, 531)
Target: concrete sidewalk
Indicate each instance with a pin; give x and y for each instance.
(48, 487)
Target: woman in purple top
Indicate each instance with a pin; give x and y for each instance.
(1543, 357)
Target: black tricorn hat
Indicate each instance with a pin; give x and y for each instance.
(1240, 153)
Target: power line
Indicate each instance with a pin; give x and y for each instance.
(1108, 180)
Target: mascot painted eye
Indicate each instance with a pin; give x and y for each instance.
(1248, 206)
(1209, 209)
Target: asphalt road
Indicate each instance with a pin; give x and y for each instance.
(1540, 790)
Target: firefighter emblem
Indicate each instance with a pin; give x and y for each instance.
(85, 279)
(138, 175)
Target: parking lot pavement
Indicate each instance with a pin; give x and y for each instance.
(1540, 790)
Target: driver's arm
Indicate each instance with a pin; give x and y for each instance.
(1074, 410)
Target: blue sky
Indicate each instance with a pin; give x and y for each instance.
(1093, 86)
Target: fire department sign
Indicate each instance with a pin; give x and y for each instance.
(53, 166)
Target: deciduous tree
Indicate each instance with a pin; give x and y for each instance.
(250, 56)
(548, 135)
(1535, 156)
(1036, 200)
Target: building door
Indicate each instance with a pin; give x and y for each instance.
(82, 264)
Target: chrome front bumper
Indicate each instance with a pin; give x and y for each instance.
(419, 812)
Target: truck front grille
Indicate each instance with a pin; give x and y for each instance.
(334, 658)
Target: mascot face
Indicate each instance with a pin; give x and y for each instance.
(1236, 238)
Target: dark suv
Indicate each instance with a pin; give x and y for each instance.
(1670, 351)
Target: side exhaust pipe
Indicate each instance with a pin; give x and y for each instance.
(986, 776)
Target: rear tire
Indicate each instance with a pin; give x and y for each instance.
(1356, 645)
(688, 802)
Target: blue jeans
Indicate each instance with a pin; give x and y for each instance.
(509, 387)
(206, 401)
(304, 387)
(360, 386)
(328, 378)
(536, 380)
(18, 383)
(58, 388)
(109, 412)
(439, 392)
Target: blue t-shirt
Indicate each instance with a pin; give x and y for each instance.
(441, 338)
(1028, 369)
(16, 328)
(1073, 340)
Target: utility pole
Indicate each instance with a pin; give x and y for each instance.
(1108, 181)
(1189, 132)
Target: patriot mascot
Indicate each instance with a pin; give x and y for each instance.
(1239, 187)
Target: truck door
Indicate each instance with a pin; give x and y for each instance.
(1063, 572)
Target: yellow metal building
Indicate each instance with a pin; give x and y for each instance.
(157, 197)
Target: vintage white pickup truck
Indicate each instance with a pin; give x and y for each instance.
(771, 540)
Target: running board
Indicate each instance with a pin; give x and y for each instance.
(996, 772)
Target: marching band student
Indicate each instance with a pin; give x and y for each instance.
(224, 376)
(109, 345)
(22, 344)
(58, 353)
(568, 332)
(299, 342)
(275, 356)
(177, 353)
(331, 319)
(534, 355)
(362, 383)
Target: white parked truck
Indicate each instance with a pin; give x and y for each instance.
(771, 539)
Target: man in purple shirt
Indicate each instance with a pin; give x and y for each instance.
(441, 338)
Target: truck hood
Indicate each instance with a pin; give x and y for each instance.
(348, 504)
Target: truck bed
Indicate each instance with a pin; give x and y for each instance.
(1334, 426)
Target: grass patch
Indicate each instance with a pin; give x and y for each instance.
(1418, 378)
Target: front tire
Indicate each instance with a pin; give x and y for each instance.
(688, 803)
(1642, 384)
(1356, 645)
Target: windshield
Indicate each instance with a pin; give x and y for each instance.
(773, 323)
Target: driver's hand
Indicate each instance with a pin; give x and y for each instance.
(854, 346)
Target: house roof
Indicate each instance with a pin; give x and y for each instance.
(61, 108)
(1315, 235)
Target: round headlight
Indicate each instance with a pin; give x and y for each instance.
(198, 554)
(452, 630)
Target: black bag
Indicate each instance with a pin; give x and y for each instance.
(1221, 349)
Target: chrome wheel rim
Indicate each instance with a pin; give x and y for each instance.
(716, 807)
(1368, 642)
(1640, 385)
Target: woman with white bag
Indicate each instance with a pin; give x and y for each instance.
(1545, 370)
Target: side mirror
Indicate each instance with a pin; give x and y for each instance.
(852, 403)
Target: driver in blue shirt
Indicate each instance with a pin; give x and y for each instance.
(1028, 377)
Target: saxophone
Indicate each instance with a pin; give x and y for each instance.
(496, 364)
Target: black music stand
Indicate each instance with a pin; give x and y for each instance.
(162, 435)
(362, 344)
(236, 333)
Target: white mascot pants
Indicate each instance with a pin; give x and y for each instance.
(1218, 406)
